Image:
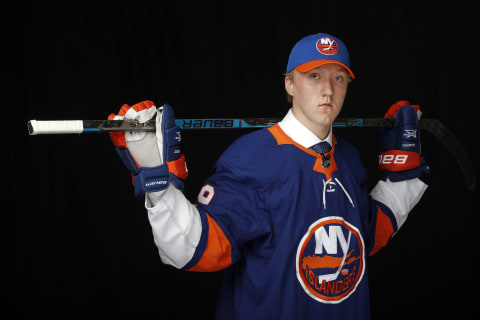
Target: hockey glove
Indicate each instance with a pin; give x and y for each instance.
(153, 158)
(400, 145)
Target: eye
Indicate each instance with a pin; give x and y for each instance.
(314, 76)
(339, 78)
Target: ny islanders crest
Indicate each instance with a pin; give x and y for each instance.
(330, 260)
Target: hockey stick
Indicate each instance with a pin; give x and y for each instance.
(433, 126)
(82, 126)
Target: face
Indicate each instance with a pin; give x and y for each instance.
(317, 96)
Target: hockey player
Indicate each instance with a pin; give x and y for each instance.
(286, 214)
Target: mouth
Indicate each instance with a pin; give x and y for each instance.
(325, 105)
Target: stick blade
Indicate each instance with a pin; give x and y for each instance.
(442, 133)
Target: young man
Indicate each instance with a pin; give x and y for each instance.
(286, 214)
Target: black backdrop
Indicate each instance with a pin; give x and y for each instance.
(74, 239)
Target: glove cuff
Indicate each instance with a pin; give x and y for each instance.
(151, 179)
(417, 172)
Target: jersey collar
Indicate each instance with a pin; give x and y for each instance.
(299, 133)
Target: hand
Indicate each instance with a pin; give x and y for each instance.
(400, 145)
(154, 159)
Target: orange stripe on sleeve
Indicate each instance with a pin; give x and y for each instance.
(383, 232)
(218, 253)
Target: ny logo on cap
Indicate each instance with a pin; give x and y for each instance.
(327, 45)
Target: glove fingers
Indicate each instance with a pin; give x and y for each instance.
(118, 138)
(392, 111)
(394, 108)
(123, 110)
(142, 111)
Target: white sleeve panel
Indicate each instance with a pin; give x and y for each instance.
(399, 196)
(176, 225)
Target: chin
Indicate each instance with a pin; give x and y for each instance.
(326, 119)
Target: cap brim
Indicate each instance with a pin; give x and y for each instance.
(317, 63)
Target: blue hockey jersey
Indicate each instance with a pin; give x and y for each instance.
(291, 236)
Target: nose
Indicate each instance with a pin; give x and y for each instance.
(327, 87)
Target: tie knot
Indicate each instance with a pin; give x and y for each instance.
(321, 147)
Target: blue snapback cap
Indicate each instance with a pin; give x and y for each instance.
(316, 50)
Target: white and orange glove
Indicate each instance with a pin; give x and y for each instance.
(400, 157)
(153, 158)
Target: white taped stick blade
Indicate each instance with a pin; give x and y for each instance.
(54, 127)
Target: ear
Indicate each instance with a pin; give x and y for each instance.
(289, 85)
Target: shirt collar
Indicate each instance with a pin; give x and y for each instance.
(299, 133)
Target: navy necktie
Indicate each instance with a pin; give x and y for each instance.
(321, 147)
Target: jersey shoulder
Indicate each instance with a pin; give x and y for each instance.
(249, 152)
(346, 147)
(249, 146)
